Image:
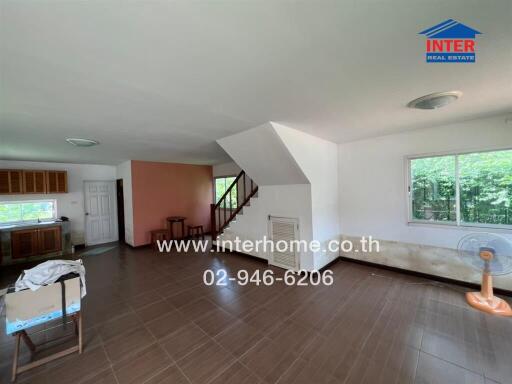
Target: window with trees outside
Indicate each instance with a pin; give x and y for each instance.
(25, 211)
(221, 186)
(473, 189)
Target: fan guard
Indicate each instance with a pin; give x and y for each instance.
(492, 255)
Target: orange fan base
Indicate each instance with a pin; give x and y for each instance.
(486, 301)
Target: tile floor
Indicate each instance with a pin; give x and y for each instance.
(150, 319)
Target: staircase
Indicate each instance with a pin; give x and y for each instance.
(236, 197)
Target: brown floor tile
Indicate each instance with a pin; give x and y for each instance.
(239, 307)
(171, 375)
(236, 374)
(215, 321)
(433, 370)
(302, 372)
(455, 351)
(222, 296)
(238, 338)
(75, 369)
(107, 312)
(205, 362)
(293, 335)
(268, 360)
(263, 320)
(128, 343)
(367, 327)
(142, 365)
(197, 309)
(183, 298)
(118, 326)
(154, 311)
(326, 354)
(167, 324)
(104, 377)
(184, 341)
(143, 299)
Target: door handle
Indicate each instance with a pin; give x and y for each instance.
(86, 213)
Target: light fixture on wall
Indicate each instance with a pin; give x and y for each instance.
(435, 100)
(82, 142)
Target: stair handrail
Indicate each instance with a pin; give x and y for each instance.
(233, 213)
(233, 184)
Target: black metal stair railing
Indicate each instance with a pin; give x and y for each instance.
(237, 195)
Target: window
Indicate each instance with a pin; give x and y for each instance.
(221, 186)
(462, 189)
(20, 211)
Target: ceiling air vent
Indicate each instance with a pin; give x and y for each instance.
(82, 142)
(435, 100)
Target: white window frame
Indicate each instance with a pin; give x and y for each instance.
(54, 216)
(450, 224)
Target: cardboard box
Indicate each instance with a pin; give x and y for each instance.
(27, 308)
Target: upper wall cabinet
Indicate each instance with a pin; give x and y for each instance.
(15, 181)
(56, 181)
(11, 181)
(34, 182)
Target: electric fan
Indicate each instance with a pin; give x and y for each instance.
(491, 254)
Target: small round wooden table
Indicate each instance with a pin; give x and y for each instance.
(171, 220)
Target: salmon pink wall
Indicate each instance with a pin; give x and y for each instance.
(166, 189)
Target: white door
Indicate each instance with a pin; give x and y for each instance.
(100, 212)
(284, 230)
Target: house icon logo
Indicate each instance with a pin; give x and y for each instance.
(450, 42)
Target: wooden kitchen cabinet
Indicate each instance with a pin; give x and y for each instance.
(37, 241)
(50, 240)
(56, 182)
(17, 181)
(11, 181)
(4, 182)
(34, 181)
(24, 243)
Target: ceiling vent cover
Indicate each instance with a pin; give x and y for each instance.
(435, 100)
(82, 142)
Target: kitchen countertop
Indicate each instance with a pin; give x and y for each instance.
(14, 227)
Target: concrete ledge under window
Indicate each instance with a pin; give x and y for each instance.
(430, 260)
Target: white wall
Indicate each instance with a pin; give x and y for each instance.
(226, 169)
(124, 171)
(373, 196)
(276, 200)
(69, 204)
(318, 160)
(263, 156)
(279, 156)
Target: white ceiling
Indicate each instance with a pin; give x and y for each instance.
(162, 80)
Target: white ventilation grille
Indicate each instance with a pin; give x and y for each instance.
(284, 229)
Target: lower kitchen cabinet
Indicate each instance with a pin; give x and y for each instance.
(32, 242)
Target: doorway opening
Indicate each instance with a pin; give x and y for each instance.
(120, 209)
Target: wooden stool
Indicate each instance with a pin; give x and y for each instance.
(22, 335)
(171, 220)
(198, 229)
(159, 234)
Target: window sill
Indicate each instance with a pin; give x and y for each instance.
(463, 227)
(23, 224)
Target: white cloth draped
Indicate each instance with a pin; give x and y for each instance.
(48, 273)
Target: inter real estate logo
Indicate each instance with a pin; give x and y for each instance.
(450, 42)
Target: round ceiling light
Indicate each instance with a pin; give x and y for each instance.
(82, 142)
(435, 100)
